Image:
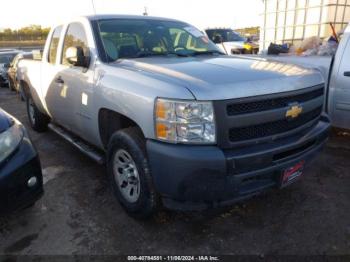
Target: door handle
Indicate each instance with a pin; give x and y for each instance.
(59, 80)
(347, 73)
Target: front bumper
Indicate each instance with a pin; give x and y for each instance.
(200, 177)
(15, 172)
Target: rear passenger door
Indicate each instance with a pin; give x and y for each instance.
(50, 88)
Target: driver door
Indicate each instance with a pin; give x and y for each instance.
(78, 84)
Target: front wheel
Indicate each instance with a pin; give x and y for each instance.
(37, 120)
(129, 173)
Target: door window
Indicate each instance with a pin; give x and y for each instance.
(53, 45)
(75, 37)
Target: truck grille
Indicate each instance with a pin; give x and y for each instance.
(272, 128)
(268, 104)
(263, 118)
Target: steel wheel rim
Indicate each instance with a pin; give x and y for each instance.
(126, 175)
(31, 110)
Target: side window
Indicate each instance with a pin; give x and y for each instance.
(53, 45)
(75, 37)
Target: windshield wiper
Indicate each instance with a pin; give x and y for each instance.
(209, 52)
(149, 54)
(181, 53)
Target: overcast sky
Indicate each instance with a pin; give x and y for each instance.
(201, 13)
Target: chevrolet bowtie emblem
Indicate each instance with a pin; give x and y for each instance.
(294, 111)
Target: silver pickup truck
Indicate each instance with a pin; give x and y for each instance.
(178, 123)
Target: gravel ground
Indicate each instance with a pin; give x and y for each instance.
(78, 214)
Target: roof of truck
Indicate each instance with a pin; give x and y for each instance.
(114, 16)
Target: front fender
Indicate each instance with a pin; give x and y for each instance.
(133, 93)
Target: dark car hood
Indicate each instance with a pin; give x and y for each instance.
(224, 77)
(5, 121)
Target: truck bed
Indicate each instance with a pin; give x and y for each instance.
(29, 70)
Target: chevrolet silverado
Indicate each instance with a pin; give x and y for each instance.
(177, 122)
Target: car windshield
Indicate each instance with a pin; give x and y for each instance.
(227, 35)
(133, 38)
(6, 58)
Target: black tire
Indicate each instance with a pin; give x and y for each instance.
(11, 85)
(133, 142)
(22, 96)
(37, 120)
(21, 92)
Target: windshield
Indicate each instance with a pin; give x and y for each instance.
(6, 58)
(132, 38)
(227, 35)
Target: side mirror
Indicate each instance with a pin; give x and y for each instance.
(75, 56)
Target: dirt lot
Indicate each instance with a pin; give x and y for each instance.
(78, 214)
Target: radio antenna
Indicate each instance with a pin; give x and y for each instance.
(93, 6)
(99, 28)
(145, 13)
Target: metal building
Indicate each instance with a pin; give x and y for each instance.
(290, 21)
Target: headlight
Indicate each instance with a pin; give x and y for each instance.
(9, 140)
(185, 121)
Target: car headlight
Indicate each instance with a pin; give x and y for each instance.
(9, 140)
(185, 121)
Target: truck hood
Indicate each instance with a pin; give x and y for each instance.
(227, 77)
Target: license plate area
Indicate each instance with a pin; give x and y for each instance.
(291, 174)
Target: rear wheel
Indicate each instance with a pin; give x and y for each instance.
(11, 85)
(22, 94)
(129, 173)
(38, 121)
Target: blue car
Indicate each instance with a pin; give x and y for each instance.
(21, 181)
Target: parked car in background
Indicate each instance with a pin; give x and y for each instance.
(6, 57)
(12, 72)
(231, 42)
(177, 121)
(21, 182)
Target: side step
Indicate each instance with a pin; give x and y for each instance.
(79, 144)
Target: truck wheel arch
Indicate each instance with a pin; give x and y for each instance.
(110, 121)
(29, 91)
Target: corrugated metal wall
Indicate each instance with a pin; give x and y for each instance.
(290, 21)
